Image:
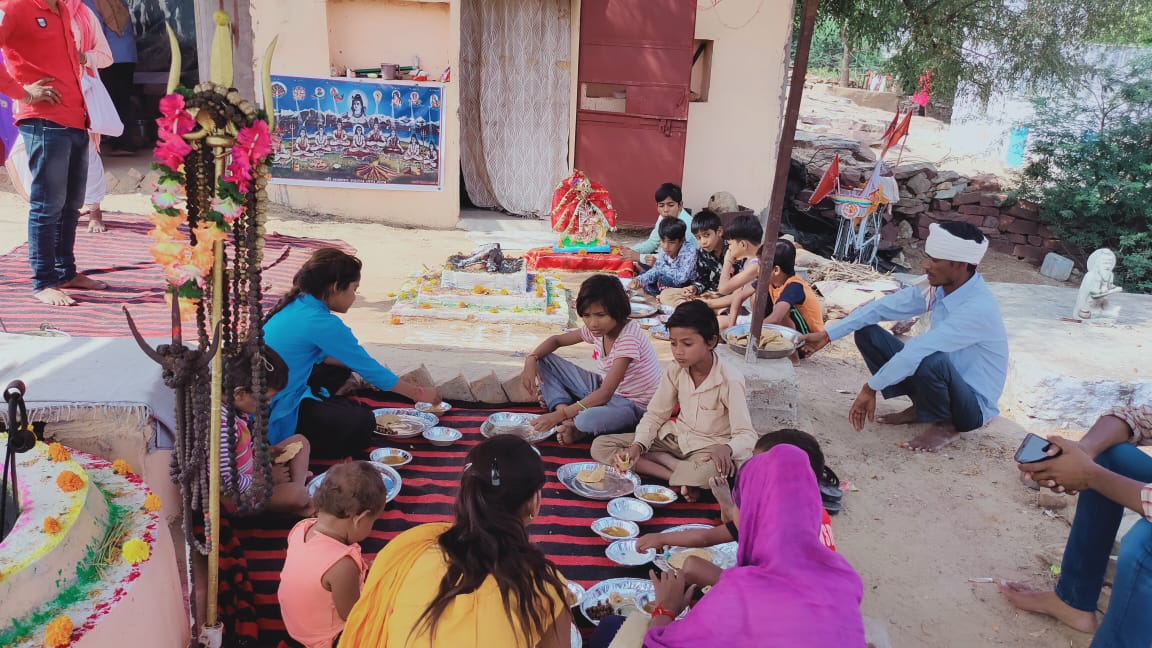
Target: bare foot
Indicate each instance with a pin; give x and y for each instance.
(568, 434)
(690, 493)
(723, 494)
(907, 417)
(96, 221)
(937, 436)
(84, 282)
(1024, 597)
(54, 297)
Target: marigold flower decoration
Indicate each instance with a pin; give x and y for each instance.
(57, 452)
(58, 632)
(121, 467)
(51, 525)
(152, 502)
(69, 482)
(135, 551)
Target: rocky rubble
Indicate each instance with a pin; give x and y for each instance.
(929, 195)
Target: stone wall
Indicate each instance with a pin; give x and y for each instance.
(929, 195)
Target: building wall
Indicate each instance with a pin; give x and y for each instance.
(319, 34)
(734, 136)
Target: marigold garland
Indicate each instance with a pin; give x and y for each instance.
(152, 502)
(69, 482)
(58, 632)
(121, 467)
(135, 551)
(51, 525)
(57, 452)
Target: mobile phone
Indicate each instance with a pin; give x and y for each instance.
(1033, 449)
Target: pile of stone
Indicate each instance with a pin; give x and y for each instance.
(929, 195)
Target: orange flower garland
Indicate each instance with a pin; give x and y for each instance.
(69, 482)
(121, 467)
(58, 632)
(152, 502)
(51, 525)
(57, 452)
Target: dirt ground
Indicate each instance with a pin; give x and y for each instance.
(918, 528)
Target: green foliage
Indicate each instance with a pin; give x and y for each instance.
(991, 44)
(1091, 170)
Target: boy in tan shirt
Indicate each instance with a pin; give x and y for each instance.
(712, 435)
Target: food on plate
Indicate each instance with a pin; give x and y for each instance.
(615, 531)
(656, 496)
(649, 606)
(677, 560)
(591, 477)
(290, 451)
(437, 408)
(769, 341)
(600, 610)
(384, 420)
(392, 460)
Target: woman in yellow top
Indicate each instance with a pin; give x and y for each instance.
(476, 582)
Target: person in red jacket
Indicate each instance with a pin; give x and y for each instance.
(42, 71)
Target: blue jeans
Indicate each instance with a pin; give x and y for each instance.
(937, 389)
(58, 161)
(1128, 620)
(563, 383)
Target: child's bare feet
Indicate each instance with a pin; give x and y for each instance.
(567, 434)
(54, 297)
(690, 493)
(96, 220)
(1027, 598)
(723, 494)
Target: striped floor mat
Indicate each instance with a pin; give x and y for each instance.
(430, 481)
(121, 258)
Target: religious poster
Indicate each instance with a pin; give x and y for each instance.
(357, 132)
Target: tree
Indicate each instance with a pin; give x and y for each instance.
(1091, 167)
(991, 44)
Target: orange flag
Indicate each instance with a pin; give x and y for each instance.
(828, 182)
(900, 133)
(891, 127)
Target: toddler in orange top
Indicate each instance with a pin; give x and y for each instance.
(324, 571)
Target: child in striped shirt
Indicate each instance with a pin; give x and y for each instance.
(289, 457)
(584, 403)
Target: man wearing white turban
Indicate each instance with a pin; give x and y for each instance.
(955, 372)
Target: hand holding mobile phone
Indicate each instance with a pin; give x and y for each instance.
(1033, 449)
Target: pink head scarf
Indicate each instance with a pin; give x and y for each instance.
(787, 588)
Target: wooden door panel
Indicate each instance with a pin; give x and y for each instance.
(631, 156)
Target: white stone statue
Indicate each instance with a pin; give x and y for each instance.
(1092, 301)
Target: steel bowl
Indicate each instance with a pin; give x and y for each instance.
(391, 456)
(630, 509)
(623, 552)
(442, 436)
(442, 408)
(603, 523)
(767, 354)
(652, 489)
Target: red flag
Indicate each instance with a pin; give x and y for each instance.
(891, 127)
(900, 133)
(828, 182)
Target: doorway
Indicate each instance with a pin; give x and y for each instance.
(515, 97)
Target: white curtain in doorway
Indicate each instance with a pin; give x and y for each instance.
(514, 99)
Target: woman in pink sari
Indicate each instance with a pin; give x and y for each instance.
(787, 588)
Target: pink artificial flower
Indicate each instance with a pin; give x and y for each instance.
(173, 116)
(256, 140)
(181, 273)
(171, 150)
(168, 185)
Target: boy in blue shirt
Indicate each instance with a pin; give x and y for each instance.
(675, 265)
(669, 203)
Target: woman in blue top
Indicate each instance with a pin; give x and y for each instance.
(321, 353)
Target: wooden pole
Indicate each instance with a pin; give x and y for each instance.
(213, 526)
(783, 163)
